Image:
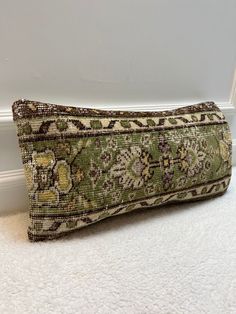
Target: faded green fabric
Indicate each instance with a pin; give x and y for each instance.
(84, 165)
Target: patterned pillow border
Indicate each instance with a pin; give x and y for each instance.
(84, 165)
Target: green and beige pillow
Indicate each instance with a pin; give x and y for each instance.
(84, 165)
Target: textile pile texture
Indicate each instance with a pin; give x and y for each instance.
(85, 165)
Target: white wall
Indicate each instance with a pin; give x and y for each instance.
(85, 51)
(126, 53)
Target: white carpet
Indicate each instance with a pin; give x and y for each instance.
(176, 259)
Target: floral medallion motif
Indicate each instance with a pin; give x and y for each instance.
(132, 167)
(46, 178)
(191, 156)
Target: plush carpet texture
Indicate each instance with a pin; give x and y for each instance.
(174, 259)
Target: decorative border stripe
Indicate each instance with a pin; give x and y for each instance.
(95, 133)
(48, 126)
(56, 228)
(27, 109)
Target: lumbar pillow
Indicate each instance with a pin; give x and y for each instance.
(84, 165)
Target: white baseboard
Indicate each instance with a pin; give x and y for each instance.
(234, 152)
(13, 193)
(232, 97)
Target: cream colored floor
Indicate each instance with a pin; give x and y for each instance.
(175, 259)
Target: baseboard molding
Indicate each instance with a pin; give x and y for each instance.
(11, 178)
(6, 119)
(232, 98)
(13, 193)
(234, 152)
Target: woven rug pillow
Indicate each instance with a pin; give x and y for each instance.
(84, 165)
